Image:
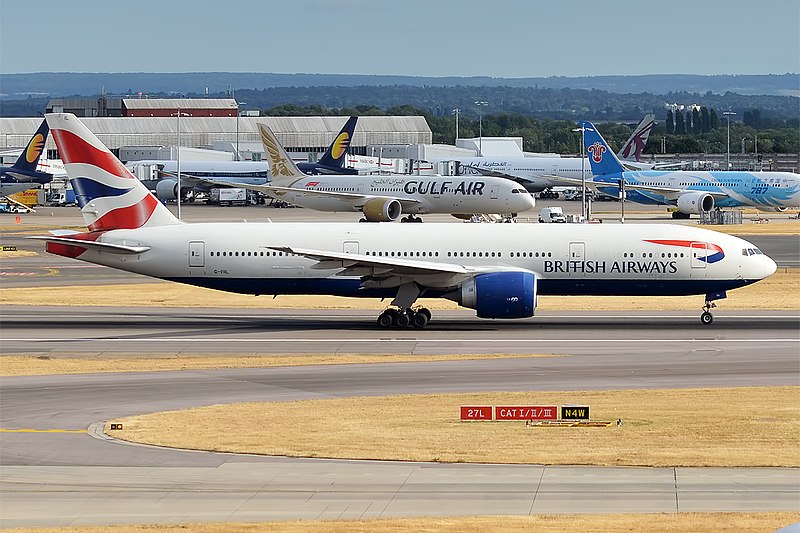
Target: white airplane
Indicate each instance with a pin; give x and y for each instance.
(692, 192)
(385, 198)
(537, 174)
(197, 176)
(497, 269)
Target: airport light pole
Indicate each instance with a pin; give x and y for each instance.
(178, 148)
(480, 103)
(728, 156)
(456, 112)
(238, 113)
(583, 173)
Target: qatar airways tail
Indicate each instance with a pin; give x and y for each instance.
(500, 270)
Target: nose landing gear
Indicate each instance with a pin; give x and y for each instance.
(706, 317)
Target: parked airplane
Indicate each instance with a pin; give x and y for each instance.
(537, 174)
(497, 269)
(22, 175)
(201, 176)
(692, 192)
(385, 198)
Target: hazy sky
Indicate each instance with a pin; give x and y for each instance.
(502, 38)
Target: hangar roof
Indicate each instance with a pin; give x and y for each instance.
(293, 132)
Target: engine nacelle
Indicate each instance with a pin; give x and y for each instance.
(382, 210)
(167, 189)
(782, 209)
(500, 294)
(694, 203)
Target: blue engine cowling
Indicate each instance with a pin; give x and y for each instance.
(500, 294)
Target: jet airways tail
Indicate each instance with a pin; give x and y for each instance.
(281, 167)
(110, 197)
(634, 146)
(601, 158)
(29, 158)
(334, 155)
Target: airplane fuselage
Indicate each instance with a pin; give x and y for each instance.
(764, 190)
(534, 173)
(430, 194)
(567, 260)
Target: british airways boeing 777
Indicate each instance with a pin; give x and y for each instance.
(497, 269)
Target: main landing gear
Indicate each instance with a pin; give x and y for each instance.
(401, 315)
(411, 218)
(404, 318)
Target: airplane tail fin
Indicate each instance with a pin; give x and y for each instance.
(601, 158)
(110, 197)
(634, 146)
(29, 158)
(283, 170)
(334, 155)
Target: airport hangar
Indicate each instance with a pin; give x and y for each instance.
(213, 124)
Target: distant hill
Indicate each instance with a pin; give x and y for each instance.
(54, 84)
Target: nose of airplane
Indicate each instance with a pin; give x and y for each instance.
(526, 201)
(770, 267)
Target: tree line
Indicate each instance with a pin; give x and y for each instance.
(706, 133)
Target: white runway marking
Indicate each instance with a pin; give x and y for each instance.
(384, 339)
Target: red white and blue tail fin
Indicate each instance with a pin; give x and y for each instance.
(110, 197)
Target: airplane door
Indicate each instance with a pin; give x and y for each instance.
(350, 247)
(577, 250)
(494, 191)
(197, 254)
(699, 251)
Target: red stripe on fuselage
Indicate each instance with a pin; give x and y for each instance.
(131, 217)
(74, 149)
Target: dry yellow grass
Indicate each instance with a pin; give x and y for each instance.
(778, 292)
(773, 227)
(653, 523)
(21, 365)
(747, 426)
(13, 254)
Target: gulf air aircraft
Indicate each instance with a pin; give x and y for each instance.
(201, 176)
(692, 192)
(537, 174)
(22, 175)
(384, 198)
(497, 269)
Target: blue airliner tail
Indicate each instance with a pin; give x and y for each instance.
(601, 157)
(29, 158)
(334, 155)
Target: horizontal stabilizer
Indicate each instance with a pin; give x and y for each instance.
(94, 245)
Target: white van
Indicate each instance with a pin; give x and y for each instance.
(552, 214)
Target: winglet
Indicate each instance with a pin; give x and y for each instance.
(601, 158)
(283, 170)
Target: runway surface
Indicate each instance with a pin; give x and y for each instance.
(55, 472)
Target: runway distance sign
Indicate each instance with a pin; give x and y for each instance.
(476, 412)
(526, 412)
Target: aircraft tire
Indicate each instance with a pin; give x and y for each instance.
(424, 311)
(419, 320)
(706, 318)
(402, 320)
(386, 319)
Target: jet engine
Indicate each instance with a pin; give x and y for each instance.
(781, 209)
(695, 203)
(499, 294)
(382, 210)
(167, 189)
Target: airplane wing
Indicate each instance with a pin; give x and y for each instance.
(25, 178)
(374, 269)
(190, 180)
(671, 193)
(492, 173)
(357, 199)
